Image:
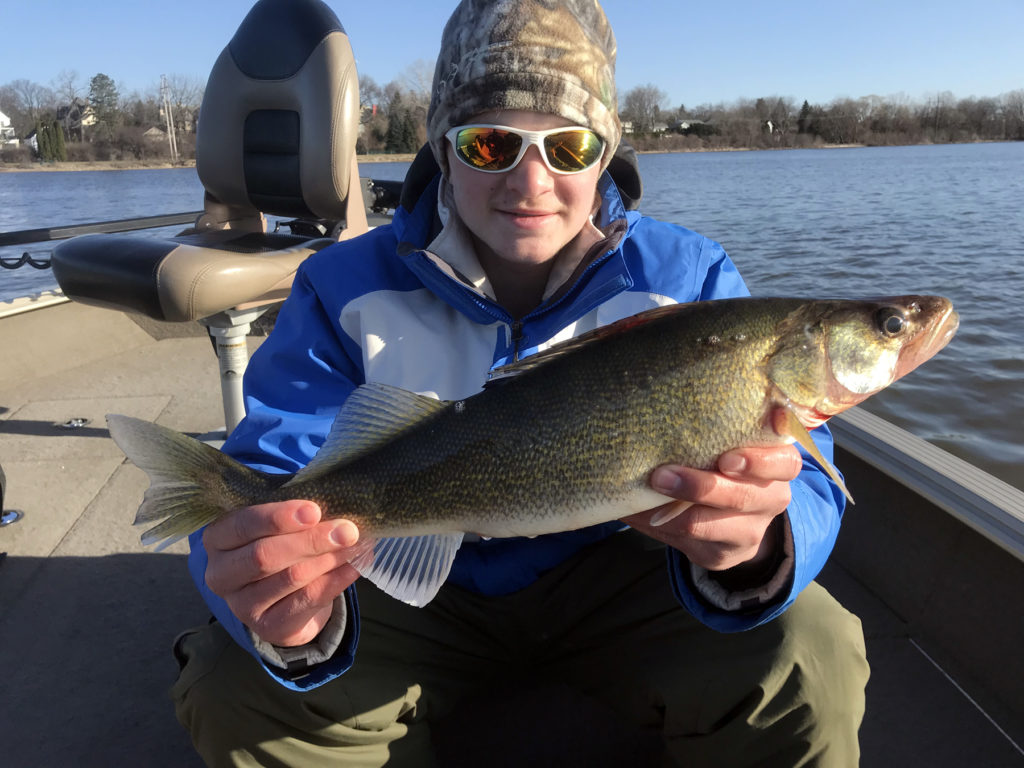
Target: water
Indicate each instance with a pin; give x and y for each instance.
(828, 222)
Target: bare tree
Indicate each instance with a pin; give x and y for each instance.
(1012, 108)
(31, 100)
(370, 94)
(185, 94)
(67, 86)
(643, 106)
(980, 118)
(417, 80)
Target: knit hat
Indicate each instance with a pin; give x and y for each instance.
(551, 56)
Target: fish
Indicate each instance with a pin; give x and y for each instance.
(562, 439)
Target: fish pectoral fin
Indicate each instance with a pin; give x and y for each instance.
(410, 568)
(787, 424)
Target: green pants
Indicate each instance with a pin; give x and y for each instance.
(594, 664)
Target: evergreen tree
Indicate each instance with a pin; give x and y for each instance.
(60, 150)
(42, 141)
(401, 133)
(409, 132)
(50, 141)
(803, 123)
(103, 98)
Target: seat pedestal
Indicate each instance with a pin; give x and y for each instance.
(229, 330)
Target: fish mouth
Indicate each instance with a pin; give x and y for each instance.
(935, 336)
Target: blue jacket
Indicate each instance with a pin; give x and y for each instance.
(381, 308)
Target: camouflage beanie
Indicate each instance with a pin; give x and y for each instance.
(552, 56)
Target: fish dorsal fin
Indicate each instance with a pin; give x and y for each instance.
(787, 424)
(571, 345)
(372, 415)
(412, 568)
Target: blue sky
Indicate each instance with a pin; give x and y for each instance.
(694, 52)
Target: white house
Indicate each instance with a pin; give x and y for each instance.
(7, 135)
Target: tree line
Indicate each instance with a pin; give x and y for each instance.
(781, 122)
(77, 121)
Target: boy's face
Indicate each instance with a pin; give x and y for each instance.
(528, 214)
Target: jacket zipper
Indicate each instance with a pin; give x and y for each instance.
(516, 327)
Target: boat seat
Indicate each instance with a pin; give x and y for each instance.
(276, 135)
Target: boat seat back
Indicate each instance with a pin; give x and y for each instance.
(278, 123)
(276, 136)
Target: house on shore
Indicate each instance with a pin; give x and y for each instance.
(8, 137)
(76, 117)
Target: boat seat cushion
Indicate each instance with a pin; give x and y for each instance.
(185, 278)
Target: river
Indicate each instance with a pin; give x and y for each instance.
(945, 219)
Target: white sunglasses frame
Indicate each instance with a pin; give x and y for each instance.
(531, 138)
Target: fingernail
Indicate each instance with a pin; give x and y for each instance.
(666, 481)
(670, 512)
(307, 514)
(732, 463)
(345, 533)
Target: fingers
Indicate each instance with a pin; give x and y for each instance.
(779, 462)
(747, 465)
(298, 617)
(267, 539)
(720, 518)
(279, 567)
(248, 524)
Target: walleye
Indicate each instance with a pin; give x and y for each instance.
(563, 439)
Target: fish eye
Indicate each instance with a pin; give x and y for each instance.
(890, 321)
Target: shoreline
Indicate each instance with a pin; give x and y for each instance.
(135, 165)
(131, 165)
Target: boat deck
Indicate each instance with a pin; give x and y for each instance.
(87, 616)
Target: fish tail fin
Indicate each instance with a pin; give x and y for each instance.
(191, 483)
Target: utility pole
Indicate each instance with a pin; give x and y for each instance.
(172, 139)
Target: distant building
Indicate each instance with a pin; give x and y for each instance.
(76, 117)
(681, 126)
(8, 137)
(628, 128)
(155, 135)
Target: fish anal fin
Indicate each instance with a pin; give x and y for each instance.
(411, 568)
(371, 416)
(786, 423)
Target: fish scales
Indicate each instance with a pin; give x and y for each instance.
(515, 459)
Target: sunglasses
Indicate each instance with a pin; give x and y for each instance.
(499, 148)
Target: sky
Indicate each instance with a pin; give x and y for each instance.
(695, 52)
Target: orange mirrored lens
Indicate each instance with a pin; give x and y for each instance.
(488, 149)
(573, 150)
